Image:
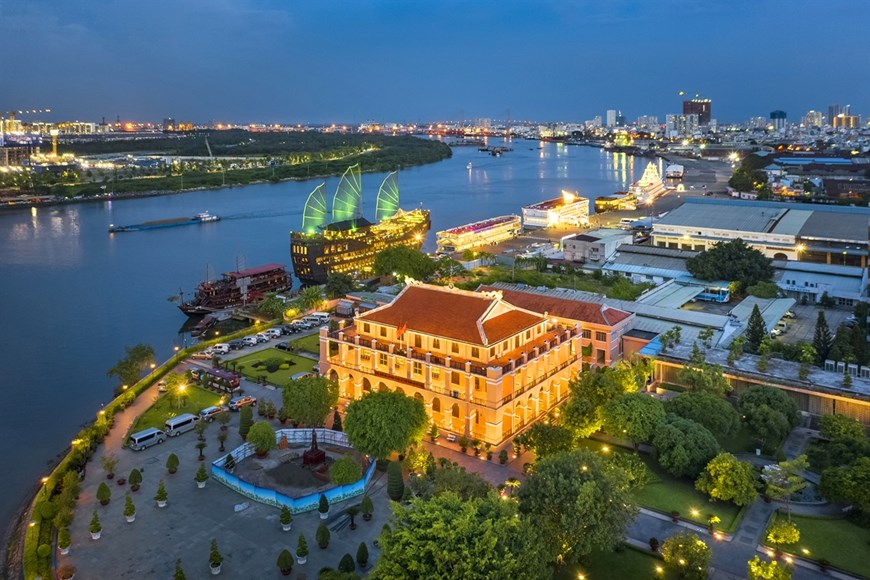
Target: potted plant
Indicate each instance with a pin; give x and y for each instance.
(161, 495)
(261, 408)
(95, 528)
(362, 555)
(285, 562)
(201, 476)
(135, 480)
(104, 494)
(223, 419)
(367, 507)
(322, 536)
(503, 456)
(346, 564)
(271, 411)
(283, 415)
(301, 550)
(200, 445)
(675, 516)
(179, 571)
(433, 432)
(109, 463)
(824, 564)
(222, 437)
(172, 463)
(475, 447)
(214, 558)
(121, 481)
(654, 544)
(286, 518)
(66, 572)
(323, 507)
(129, 509)
(488, 448)
(352, 512)
(463, 443)
(63, 540)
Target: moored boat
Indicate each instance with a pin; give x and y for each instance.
(237, 289)
(200, 218)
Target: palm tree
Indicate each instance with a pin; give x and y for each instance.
(311, 297)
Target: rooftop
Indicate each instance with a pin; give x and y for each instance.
(592, 312)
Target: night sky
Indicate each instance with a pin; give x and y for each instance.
(347, 62)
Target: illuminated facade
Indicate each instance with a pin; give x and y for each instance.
(701, 107)
(482, 366)
(569, 209)
(482, 233)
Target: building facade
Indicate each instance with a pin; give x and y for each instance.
(700, 107)
(482, 366)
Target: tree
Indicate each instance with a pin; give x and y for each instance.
(161, 494)
(807, 357)
(546, 439)
(593, 389)
(785, 479)
(104, 494)
(699, 375)
(129, 506)
(763, 289)
(758, 569)
(172, 463)
(448, 537)
(246, 419)
(403, 261)
(215, 559)
(336, 421)
(769, 412)
(734, 261)
(841, 428)
(822, 339)
(711, 411)
(566, 493)
(179, 572)
(129, 369)
(302, 547)
(338, 285)
(841, 348)
(308, 400)
(848, 484)
(382, 422)
(310, 298)
(756, 330)
(783, 532)
(395, 481)
(687, 555)
(346, 564)
(135, 479)
(362, 555)
(322, 536)
(684, 447)
(456, 479)
(728, 479)
(344, 471)
(634, 416)
(262, 437)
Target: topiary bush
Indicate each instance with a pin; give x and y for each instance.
(395, 481)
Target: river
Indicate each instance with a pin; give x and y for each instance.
(73, 296)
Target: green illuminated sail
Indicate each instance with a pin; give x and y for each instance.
(347, 203)
(316, 210)
(388, 197)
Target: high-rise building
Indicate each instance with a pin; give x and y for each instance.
(836, 110)
(813, 119)
(647, 121)
(611, 117)
(778, 120)
(682, 125)
(700, 107)
(843, 121)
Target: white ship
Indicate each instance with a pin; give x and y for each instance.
(649, 187)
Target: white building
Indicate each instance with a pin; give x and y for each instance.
(611, 117)
(570, 209)
(594, 247)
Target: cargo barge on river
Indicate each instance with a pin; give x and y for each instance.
(200, 218)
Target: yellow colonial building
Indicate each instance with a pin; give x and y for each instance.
(483, 367)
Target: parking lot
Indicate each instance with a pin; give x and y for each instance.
(803, 326)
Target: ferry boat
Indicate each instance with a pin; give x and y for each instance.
(349, 243)
(481, 233)
(649, 187)
(238, 288)
(200, 218)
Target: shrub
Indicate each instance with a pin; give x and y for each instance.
(302, 547)
(43, 551)
(395, 481)
(129, 506)
(179, 572)
(47, 510)
(783, 532)
(286, 516)
(104, 494)
(322, 536)
(246, 419)
(503, 456)
(362, 555)
(344, 471)
(323, 505)
(95, 525)
(285, 562)
(172, 463)
(161, 494)
(262, 437)
(367, 507)
(215, 558)
(135, 479)
(201, 474)
(63, 538)
(284, 367)
(346, 564)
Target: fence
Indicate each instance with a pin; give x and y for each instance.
(274, 498)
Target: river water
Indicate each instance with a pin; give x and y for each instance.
(72, 296)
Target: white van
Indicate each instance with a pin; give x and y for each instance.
(181, 424)
(323, 316)
(220, 348)
(316, 320)
(147, 438)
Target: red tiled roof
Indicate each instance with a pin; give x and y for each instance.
(450, 314)
(563, 308)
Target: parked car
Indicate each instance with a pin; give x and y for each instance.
(789, 314)
(273, 333)
(775, 332)
(262, 337)
(283, 346)
(236, 344)
(220, 348)
(250, 341)
(204, 355)
(288, 329)
(237, 403)
(161, 386)
(209, 413)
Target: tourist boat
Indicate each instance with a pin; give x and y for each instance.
(200, 218)
(481, 233)
(349, 242)
(238, 288)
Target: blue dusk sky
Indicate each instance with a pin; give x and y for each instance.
(347, 62)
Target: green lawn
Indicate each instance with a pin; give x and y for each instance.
(310, 343)
(629, 564)
(279, 377)
(840, 541)
(156, 415)
(666, 493)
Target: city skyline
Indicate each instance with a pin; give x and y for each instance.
(262, 61)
